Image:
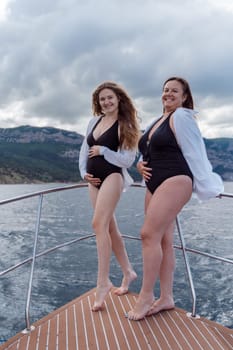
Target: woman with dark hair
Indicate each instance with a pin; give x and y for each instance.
(174, 164)
(108, 149)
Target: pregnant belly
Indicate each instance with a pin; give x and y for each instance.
(99, 167)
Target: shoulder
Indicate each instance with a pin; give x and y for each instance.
(92, 123)
(184, 118)
(94, 120)
(184, 113)
(186, 129)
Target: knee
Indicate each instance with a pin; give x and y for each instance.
(113, 230)
(96, 224)
(146, 235)
(151, 237)
(167, 245)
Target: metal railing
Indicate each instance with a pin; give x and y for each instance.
(35, 255)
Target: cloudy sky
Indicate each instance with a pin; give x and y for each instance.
(54, 53)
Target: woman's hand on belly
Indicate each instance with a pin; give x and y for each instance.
(94, 151)
(95, 181)
(144, 170)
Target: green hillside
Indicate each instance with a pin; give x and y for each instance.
(46, 154)
(37, 162)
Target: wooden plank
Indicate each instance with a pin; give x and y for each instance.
(75, 327)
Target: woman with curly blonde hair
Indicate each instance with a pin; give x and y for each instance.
(108, 149)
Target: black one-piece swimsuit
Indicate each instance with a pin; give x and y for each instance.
(163, 155)
(98, 166)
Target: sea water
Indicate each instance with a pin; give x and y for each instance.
(68, 272)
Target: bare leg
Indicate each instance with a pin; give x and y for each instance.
(119, 250)
(163, 207)
(166, 275)
(105, 200)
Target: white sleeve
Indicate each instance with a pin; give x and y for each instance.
(83, 155)
(207, 184)
(140, 159)
(122, 158)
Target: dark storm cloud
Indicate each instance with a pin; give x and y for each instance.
(53, 54)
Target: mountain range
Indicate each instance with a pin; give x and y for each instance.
(46, 154)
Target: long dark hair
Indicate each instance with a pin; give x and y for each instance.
(188, 102)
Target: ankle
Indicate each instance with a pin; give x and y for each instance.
(103, 284)
(168, 297)
(146, 295)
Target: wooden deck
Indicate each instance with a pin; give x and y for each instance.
(74, 326)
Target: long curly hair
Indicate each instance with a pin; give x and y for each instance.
(127, 115)
(188, 102)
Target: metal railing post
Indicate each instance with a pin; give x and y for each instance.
(27, 315)
(182, 242)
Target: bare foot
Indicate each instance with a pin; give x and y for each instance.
(161, 305)
(101, 294)
(141, 308)
(127, 279)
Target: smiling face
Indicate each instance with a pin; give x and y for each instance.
(172, 96)
(108, 101)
